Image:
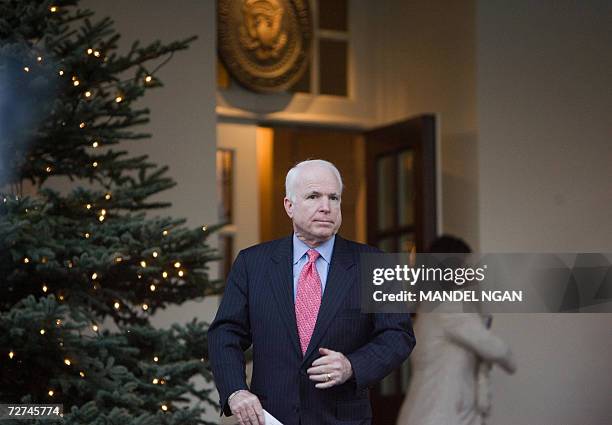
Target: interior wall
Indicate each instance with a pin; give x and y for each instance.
(242, 139)
(425, 63)
(545, 185)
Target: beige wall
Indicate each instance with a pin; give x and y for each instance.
(182, 112)
(545, 130)
(425, 56)
(544, 105)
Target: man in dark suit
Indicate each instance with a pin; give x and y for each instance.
(297, 302)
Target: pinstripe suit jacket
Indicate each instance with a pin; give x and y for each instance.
(258, 309)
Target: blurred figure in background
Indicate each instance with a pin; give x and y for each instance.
(451, 362)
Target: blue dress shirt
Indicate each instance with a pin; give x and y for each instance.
(300, 258)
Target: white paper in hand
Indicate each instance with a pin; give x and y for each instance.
(270, 420)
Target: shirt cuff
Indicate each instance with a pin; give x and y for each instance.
(233, 394)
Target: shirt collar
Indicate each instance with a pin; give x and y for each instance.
(325, 249)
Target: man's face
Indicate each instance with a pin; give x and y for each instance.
(316, 211)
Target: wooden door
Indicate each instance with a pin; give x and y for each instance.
(289, 145)
(401, 216)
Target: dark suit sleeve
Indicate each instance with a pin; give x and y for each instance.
(230, 335)
(391, 343)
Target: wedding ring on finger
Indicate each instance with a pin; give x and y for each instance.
(328, 377)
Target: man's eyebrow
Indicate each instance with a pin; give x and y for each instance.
(316, 192)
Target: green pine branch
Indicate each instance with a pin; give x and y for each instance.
(82, 271)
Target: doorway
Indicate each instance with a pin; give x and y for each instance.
(389, 198)
(389, 176)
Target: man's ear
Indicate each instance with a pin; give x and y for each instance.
(288, 207)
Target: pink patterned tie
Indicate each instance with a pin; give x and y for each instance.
(308, 299)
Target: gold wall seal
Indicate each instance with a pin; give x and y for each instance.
(264, 44)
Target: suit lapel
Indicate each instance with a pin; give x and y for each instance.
(281, 282)
(339, 280)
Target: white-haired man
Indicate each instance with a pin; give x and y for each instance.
(296, 300)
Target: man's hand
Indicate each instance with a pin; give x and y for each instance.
(331, 369)
(247, 408)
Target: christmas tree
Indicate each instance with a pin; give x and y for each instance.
(82, 270)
